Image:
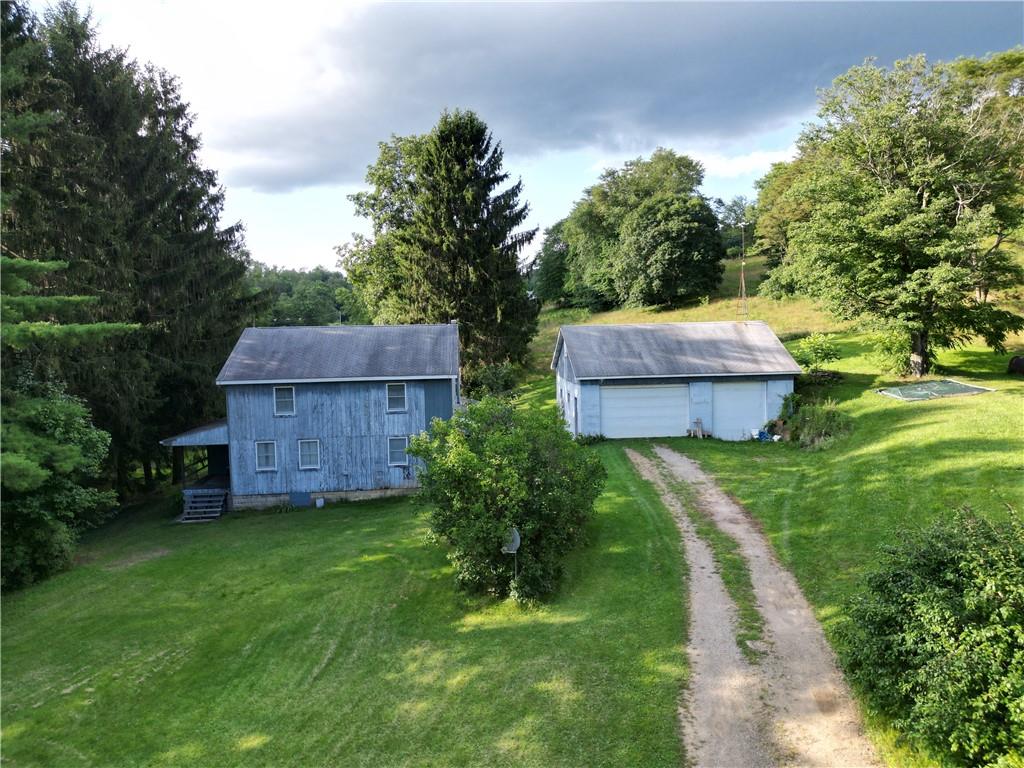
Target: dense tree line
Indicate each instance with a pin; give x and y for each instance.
(900, 203)
(52, 454)
(101, 181)
(446, 244)
(643, 235)
(303, 297)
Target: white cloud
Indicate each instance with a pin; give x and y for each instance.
(717, 164)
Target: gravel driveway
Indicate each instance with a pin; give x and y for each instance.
(791, 708)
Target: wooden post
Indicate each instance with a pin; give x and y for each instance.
(178, 465)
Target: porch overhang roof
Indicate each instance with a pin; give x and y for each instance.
(214, 433)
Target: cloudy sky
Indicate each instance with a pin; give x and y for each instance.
(292, 98)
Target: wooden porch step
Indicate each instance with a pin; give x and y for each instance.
(203, 504)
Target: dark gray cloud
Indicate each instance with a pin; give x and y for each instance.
(609, 76)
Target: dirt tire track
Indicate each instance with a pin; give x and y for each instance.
(814, 716)
(722, 713)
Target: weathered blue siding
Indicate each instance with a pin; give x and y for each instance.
(351, 421)
(590, 408)
(567, 393)
(437, 399)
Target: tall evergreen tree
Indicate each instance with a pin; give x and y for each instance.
(50, 452)
(446, 243)
(114, 187)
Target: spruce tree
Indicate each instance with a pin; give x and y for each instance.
(50, 453)
(101, 170)
(447, 243)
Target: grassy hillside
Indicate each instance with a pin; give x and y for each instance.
(335, 637)
(789, 318)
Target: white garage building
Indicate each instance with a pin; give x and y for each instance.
(656, 380)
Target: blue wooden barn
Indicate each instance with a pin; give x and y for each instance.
(321, 413)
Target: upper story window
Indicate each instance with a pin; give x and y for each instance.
(396, 398)
(284, 401)
(309, 454)
(266, 456)
(398, 448)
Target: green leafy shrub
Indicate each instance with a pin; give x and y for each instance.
(493, 467)
(816, 424)
(937, 639)
(815, 350)
(497, 379)
(891, 351)
(52, 457)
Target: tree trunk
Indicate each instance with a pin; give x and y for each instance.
(920, 354)
(178, 465)
(147, 472)
(121, 466)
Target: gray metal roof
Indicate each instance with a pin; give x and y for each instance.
(214, 433)
(746, 348)
(343, 352)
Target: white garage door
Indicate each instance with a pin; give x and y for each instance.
(651, 411)
(737, 408)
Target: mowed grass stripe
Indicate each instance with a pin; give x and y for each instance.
(336, 636)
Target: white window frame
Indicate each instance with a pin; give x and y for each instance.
(405, 451)
(257, 449)
(318, 457)
(283, 413)
(405, 397)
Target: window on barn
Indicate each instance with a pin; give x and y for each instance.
(284, 401)
(266, 456)
(396, 398)
(309, 454)
(398, 451)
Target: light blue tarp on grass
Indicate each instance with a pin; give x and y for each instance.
(930, 390)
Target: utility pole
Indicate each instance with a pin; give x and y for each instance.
(743, 269)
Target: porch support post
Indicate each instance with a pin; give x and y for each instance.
(178, 465)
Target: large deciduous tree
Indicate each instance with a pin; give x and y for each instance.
(670, 251)
(914, 182)
(611, 260)
(447, 241)
(550, 266)
(778, 207)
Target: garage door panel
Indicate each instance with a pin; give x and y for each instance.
(737, 408)
(644, 411)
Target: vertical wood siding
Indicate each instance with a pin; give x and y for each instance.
(567, 390)
(351, 421)
(437, 400)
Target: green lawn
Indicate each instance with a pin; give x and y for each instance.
(905, 464)
(335, 637)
